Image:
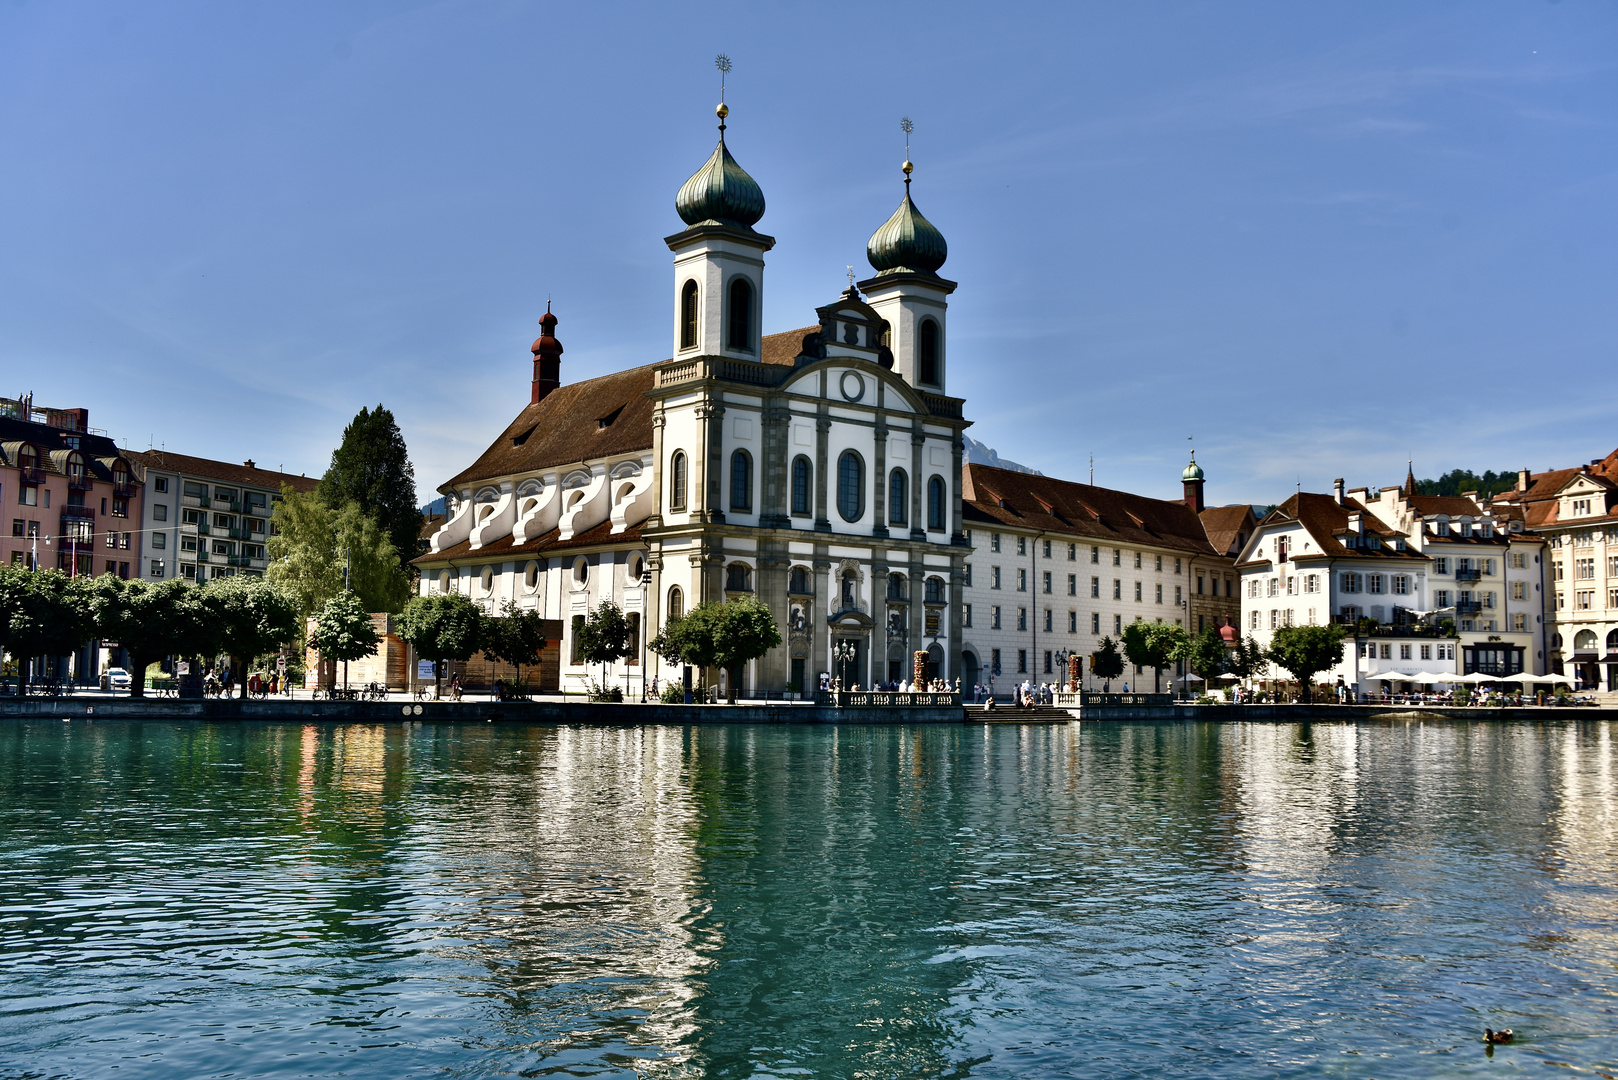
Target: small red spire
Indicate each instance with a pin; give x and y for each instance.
(547, 358)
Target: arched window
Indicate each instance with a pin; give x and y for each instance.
(741, 481)
(676, 603)
(927, 354)
(1585, 641)
(935, 590)
(896, 587)
(801, 475)
(898, 498)
(850, 486)
(677, 481)
(738, 578)
(1612, 642)
(739, 333)
(936, 498)
(798, 582)
(688, 316)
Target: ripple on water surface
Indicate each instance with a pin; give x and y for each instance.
(1131, 900)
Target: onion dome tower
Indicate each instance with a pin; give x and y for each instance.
(1191, 478)
(547, 358)
(719, 257)
(907, 292)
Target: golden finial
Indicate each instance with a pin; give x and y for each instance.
(723, 110)
(722, 62)
(907, 127)
(909, 168)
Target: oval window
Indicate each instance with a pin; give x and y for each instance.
(443, 581)
(635, 568)
(530, 576)
(486, 579)
(581, 571)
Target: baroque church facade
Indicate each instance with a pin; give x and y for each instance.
(817, 470)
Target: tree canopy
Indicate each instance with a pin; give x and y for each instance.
(603, 635)
(725, 635)
(448, 626)
(43, 613)
(1107, 663)
(1247, 659)
(1205, 654)
(152, 620)
(314, 542)
(371, 469)
(1153, 645)
(255, 616)
(1305, 651)
(515, 637)
(1457, 481)
(344, 631)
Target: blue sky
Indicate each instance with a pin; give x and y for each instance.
(1319, 238)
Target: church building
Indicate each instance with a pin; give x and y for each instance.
(817, 469)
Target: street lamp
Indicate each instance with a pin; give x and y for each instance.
(845, 652)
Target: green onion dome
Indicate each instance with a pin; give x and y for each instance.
(1193, 471)
(907, 241)
(720, 191)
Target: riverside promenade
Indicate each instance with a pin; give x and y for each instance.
(574, 711)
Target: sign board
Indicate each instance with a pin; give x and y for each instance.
(280, 663)
(424, 669)
(182, 667)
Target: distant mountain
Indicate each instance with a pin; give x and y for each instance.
(978, 454)
(437, 506)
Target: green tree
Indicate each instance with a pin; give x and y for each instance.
(344, 631)
(1247, 659)
(1153, 645)
(150, 620)
(255, 616)
(313, 544)
(371, 469)
(1205, 654)
(44, 613)
(442, 628)
(723, 635)
(1107, 663)
(1305, 651)
(604, 636)
(515, 637)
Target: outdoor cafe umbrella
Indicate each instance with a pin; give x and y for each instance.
(1230, 677)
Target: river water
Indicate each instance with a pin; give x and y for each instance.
(1236, 900)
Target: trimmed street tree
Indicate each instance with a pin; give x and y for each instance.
(723, 635)
(1247, 659)
(371, 469)
(1205, 655)
(1107, 663)
(44, 613)
(1305, 651)
(344, 631)
(604, 637)
(255, 617)
(442, 628)
(516, 637)
(1153, 645)
(744, 630)
(151, 621)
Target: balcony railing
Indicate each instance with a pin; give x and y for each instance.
(1468, 574)
(195, 500)
(883, 699)
(31, 475)
(1468, 607)
(80, 481)
(78, 513)
(126, 489)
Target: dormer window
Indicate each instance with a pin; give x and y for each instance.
(1581, 507)
(1441, 528)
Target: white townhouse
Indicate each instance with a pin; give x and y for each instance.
(817, 469)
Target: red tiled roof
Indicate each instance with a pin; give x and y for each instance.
(1228, 527)
(227, 471)
(1025, 500)
(1326, 520)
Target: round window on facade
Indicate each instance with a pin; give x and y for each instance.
(634, 568)
(486, 580)
(530, 577)
(581, 571)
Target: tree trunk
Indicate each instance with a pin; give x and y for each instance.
(241, 677)
(735, 684)
(23, 666)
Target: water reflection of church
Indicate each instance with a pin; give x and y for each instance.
(817, 469)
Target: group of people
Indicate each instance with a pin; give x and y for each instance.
(1024, 695)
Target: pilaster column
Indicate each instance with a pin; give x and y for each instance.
(918, 441)
(879, 489)
(956, 448)
(822, 466)
(820, 660)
